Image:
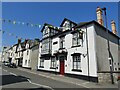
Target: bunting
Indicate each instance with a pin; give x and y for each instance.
(22, 23)
(10, 34)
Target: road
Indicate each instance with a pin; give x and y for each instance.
(10, 80)
(14, 78)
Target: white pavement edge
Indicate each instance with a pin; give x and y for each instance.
(13, 74)
(44, 86)
(83, 84)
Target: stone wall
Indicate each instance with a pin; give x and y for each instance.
(104, 77)
(115, 77)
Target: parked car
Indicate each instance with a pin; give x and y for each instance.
(12, 65)
(6, 63)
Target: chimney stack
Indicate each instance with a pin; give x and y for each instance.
(113, 26)
(99, 15)
(26, 41)
(19, 41)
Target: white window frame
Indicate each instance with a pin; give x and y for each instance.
(53, 62)
(76, 62)
(76, 40)
(42, 63)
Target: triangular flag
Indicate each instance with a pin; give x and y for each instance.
(27, 24)
(39, 26)
(31, 25)
(36, 25)
(9, 20)
(14, 22)
(3, 32)
(23, 23)
(3, 20)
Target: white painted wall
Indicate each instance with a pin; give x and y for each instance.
(39, 55)
(13, 54)
(19, 51)
(92, 50)
(81, 49)
(26, 57)
(47, 63)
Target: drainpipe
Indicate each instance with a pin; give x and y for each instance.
(109, 56)
(87, 52)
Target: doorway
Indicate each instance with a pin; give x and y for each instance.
(62, 65)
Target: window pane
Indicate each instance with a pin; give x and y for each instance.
(76, 39)
(74, 67)
(76, 62)
(41, 62)
(79, 65)
(62, 42)
(53, 63)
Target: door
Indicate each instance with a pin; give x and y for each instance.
(18, 62)
(10, 59)
(62, 66)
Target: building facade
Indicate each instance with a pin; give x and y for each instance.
(30, 54)
(19, 52)
(5, 54)
(78, 50)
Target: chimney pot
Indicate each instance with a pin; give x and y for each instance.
(19, 41)
(113, 26)
(99, 15)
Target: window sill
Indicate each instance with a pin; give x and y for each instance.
(78, 70)
(52, 68)
(76, 46)
(41, 66)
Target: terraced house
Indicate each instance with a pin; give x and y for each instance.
(19, 52)
(80, 50)
(30, 54)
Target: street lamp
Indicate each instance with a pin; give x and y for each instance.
(109, 57)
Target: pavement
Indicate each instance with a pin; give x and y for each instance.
(71, 80)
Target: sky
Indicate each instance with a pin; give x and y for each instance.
(49, 12)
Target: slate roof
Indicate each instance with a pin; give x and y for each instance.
(67, 20)
(81, 24)
(50, 27)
